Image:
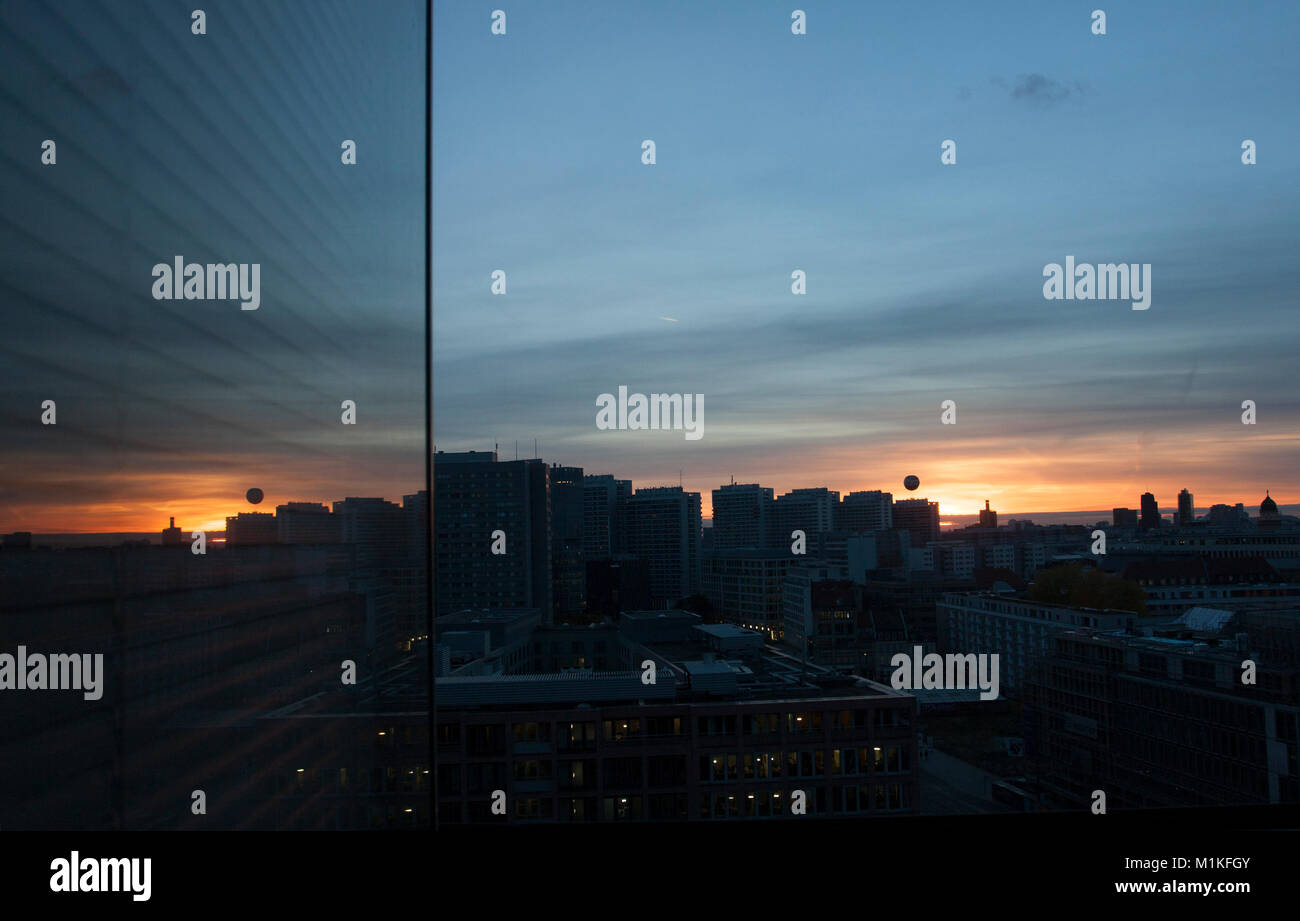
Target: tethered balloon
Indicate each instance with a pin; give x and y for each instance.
(911, 482)
(254, 495)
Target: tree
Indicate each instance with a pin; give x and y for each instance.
(1087, 587)
(698, 604)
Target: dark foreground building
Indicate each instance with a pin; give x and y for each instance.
(1163, 722)
(567, 728)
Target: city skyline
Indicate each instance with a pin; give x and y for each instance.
(146, 522)
(924, 282)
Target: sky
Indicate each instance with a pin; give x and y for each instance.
(821, 152)
(775, 152)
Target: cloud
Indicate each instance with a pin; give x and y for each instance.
(1039, 90)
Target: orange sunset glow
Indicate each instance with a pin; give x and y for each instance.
(1059, 474)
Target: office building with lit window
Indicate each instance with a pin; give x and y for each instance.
(747, 587)
(729, 731)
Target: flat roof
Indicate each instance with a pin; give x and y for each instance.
(726, 630)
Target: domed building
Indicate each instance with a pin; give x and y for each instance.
(1269, 519)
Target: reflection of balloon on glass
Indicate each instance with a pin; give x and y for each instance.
(254, 495)
(911, 482)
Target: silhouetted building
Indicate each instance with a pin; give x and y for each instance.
(474, 496)
(251, 528)
(1150, 519)
(741, 516)
(1269, 519)
(988, 517)
(376, 526)
(919, 518)
(866, 510)
(1124, 518)
(812, 511)
(1186, 508)
(664, 524)
(604, 515)
(568, 563)
(171, 535)
(1222, 515)
(307, 523)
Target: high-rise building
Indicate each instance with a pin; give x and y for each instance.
(1150, 519)
(568, 564)
(376, 533)
(476, 495)
(919, 517)
(747, 587)
(799, 615)
(416, 506)
(664, 525)
(988, 517)
(411, 580)
(306, 523)
(248, 528)
(1186, 508)
(376, 526)
(866, 510)
(1124, 518)
(812, 511)
(604, 515)
(741, 516)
